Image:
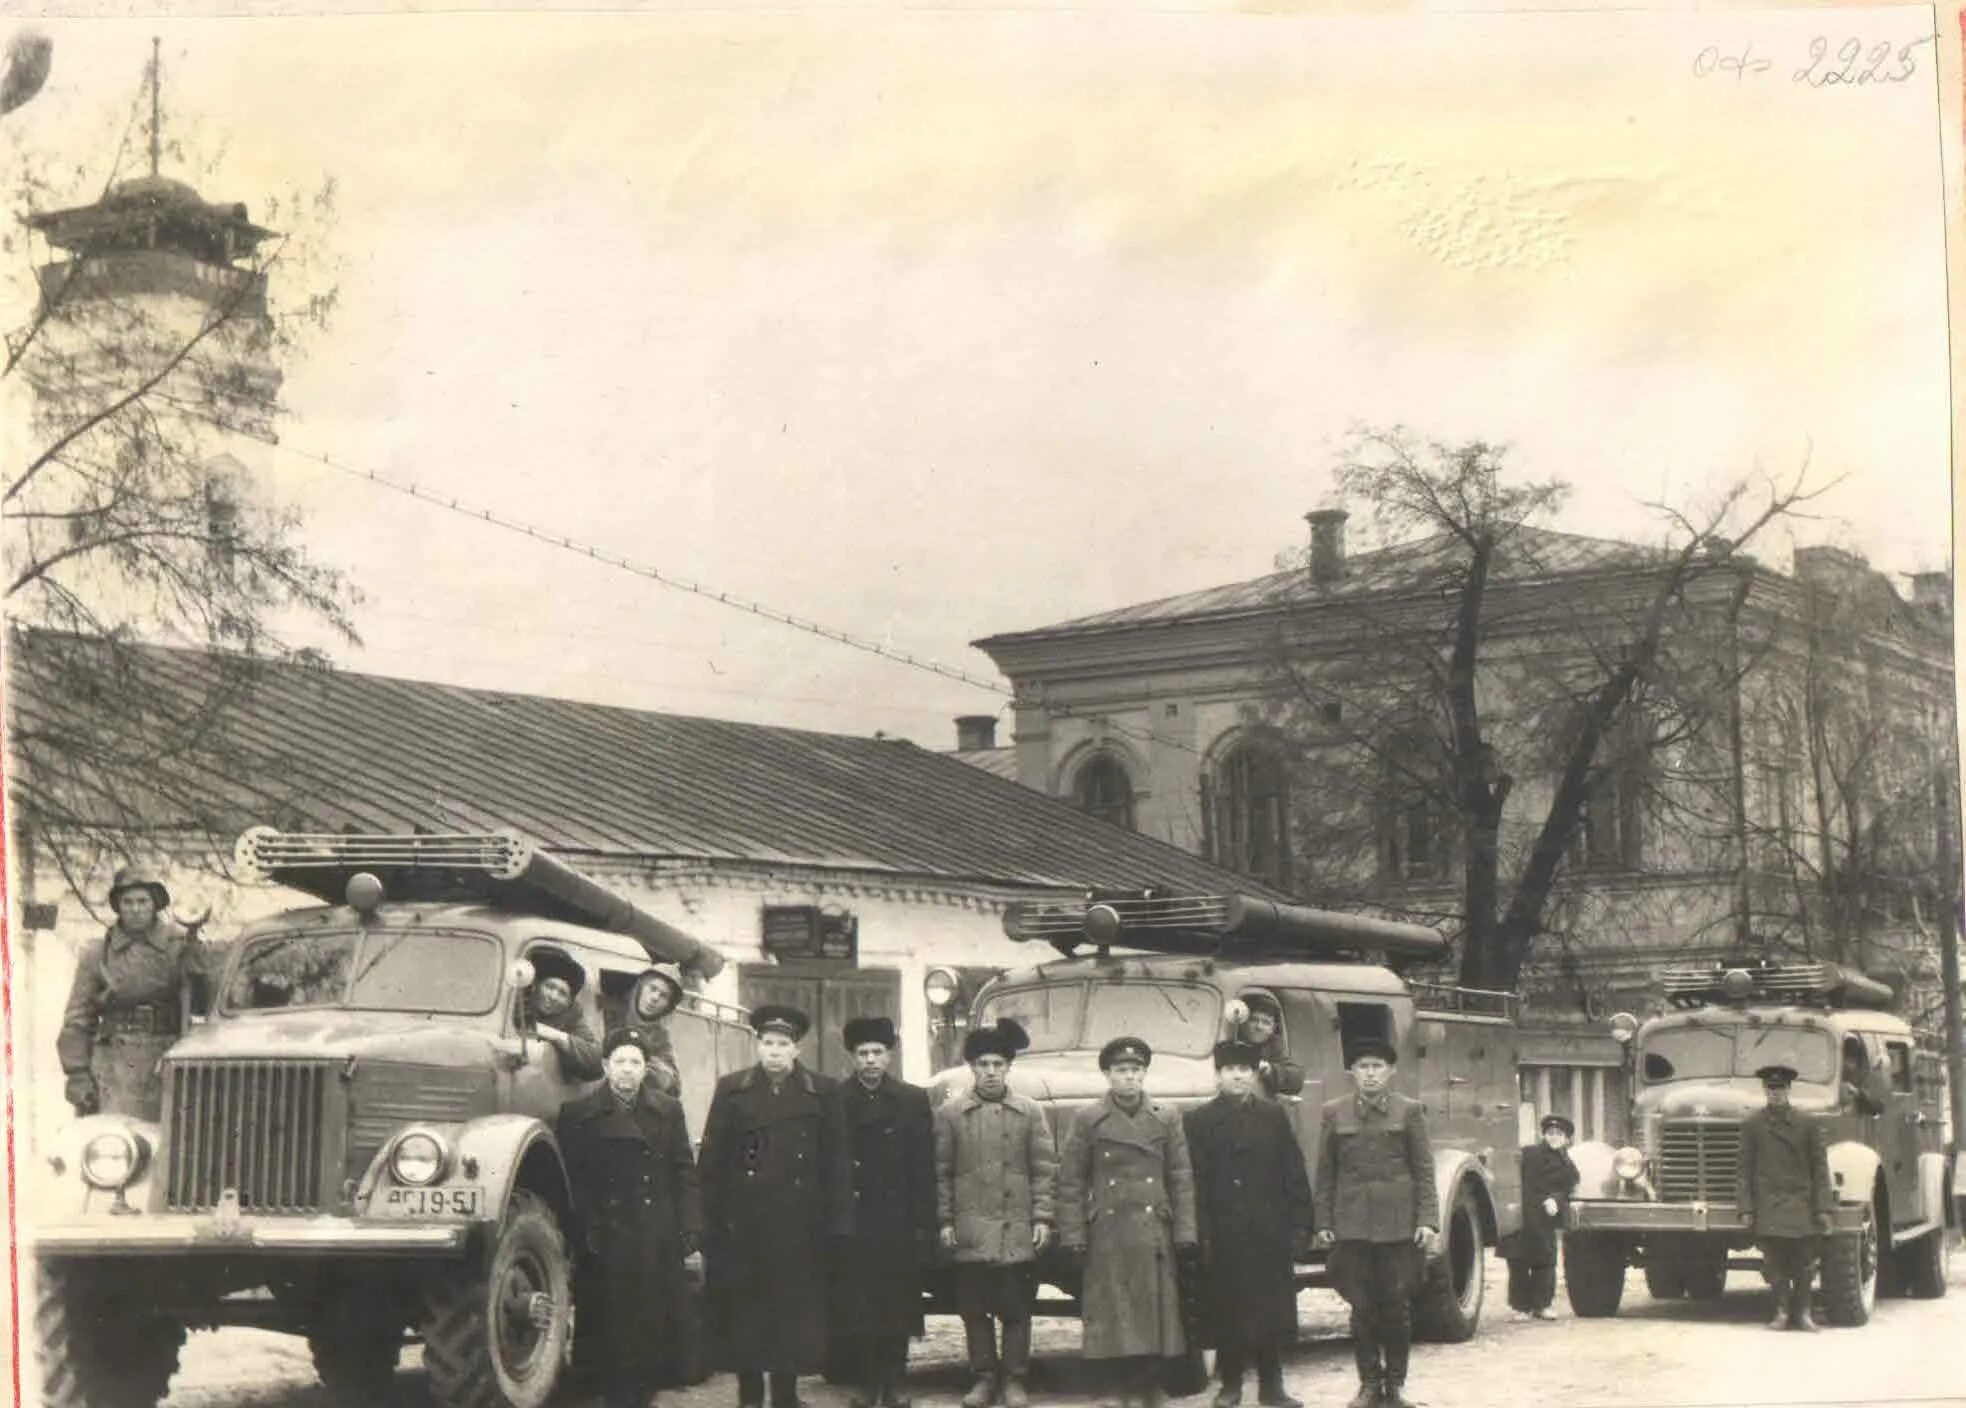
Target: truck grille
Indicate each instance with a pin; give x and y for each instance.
(1697, 1162)
(251, 1126)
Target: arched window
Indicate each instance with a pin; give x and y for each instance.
(1103, 789)
(1248, 810)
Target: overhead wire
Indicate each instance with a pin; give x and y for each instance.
(658, 575)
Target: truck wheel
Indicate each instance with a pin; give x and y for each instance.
(1448, 1307)
(1665, 1275)
(1923, 1265)
(1594, 1271)
(97, 1349)
(356, 1346)
(497, 1327)
(1850, 1273)
(1703, 1270)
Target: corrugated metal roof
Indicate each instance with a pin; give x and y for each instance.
(372, 752)
(1531, 553)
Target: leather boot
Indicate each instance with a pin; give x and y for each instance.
(1270, 1393)
(1393, 1395)
(982, 1393)
(1781, 1316)
(750, 1389)
(1367, 1395)
(1014, 1395)
(894, 1389)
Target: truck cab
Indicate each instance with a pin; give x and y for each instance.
(1668, 1202)
(1184, 983)
(358, 1139)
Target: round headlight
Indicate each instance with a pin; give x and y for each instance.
(1628, 1162)
(939, 987)
(111, 1160)
(418, 1159)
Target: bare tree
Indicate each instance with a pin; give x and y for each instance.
(1484, 693)
(157, 329)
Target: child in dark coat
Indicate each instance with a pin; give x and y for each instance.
(1548, 1179)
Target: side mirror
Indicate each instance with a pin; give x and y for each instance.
(1235, 1012)
(520, 975)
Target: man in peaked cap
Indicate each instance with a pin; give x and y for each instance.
(777, 1187)
(877, 1272)
(557, 1020)
(133, 989)
(1126, 1205)
(1784, 1192)
(1548, 1180)
(1253, 1213)
(996, 1173)
(1378, 1211)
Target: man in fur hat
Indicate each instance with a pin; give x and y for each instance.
(556, 1016)
(133, 989)
(996, 1172)
(1378, 1212)
(777, 1186)
(1548, 1180)
(1253, 1206)
(877, 1284)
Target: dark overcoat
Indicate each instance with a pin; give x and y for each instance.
(1126, 1199)
(1546, 1173)
(637, 1214)
(776, 1187)
(891, 1142)
(1782, 1180)
(118, 978)
(1253, 1206)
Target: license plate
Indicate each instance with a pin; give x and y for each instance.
(433, 1202)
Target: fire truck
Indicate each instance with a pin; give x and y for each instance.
(1667, 1201)
(1178, 971)
(357, 1140)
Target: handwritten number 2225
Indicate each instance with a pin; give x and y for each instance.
(1853, 65)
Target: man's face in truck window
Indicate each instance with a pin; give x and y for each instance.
(992, 1074)
(552, 997)
(1260, 1026)
(1371, 1074)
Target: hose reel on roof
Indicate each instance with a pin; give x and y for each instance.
(499, 868)
(1208, 924)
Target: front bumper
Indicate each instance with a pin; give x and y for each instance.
(177, 1234)
(1636, 1215)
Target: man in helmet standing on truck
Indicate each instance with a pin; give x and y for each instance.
(133, 989)
(1377, 1210)
(1783, 1191)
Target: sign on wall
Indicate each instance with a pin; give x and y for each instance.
(806, 931)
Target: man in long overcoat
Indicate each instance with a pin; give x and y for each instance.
(133, 989)
(1548, 1180)
(996, 1174)
(1126, 1204)
(776, 1188)
(638, 1222)
(1253, 1211)
(1783, 1189)
(877, 1292)
(1377, 1210)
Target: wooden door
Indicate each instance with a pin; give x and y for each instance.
(831, 998)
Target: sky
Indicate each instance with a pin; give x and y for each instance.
(934, 323)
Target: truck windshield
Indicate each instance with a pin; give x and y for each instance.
(377, 970)
(1712, 1052)
(1176, 1019)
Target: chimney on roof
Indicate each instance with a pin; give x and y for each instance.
(1327, 544)
(975, 732)
(1932, 591)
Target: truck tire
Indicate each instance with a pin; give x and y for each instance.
(1665, 1275)
(482, 1345)
(1594, 1272)
(97, 1349)
(1850, 1272)
(356, 1347)
(1922, 1266)
(1703, 1269)
(1448, 1308)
